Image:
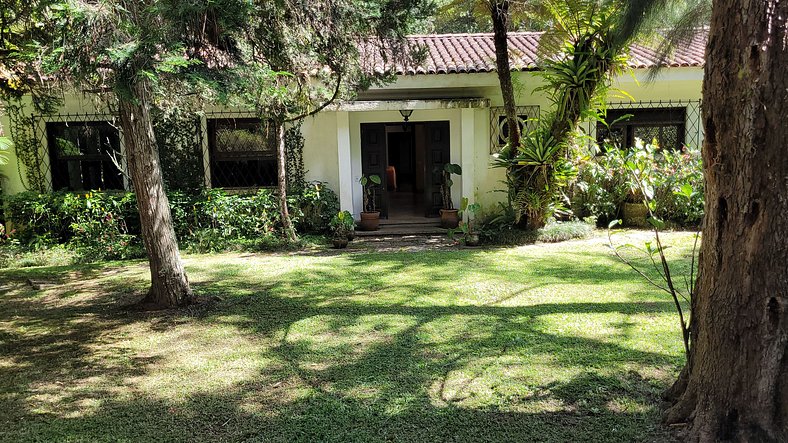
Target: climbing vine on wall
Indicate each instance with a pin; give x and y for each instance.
(178, 135)
(26, 147)
(294, 152)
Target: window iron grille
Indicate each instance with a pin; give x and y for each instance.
(528, 119)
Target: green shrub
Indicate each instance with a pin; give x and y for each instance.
(314, 207)
(673, 171)
(603, 184)
(32, 215)
(101, 225)
(498, 228)
(236, 215)
(600, 189)
(558, 231)
(98, 229)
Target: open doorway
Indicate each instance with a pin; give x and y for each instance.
(408, 158)
(405, 171)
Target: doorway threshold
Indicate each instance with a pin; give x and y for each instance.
(400, 227)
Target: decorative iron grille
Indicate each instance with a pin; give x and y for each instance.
(85, 151)
(242, 151)
(673, 123)
(528, 120)
(79, 152)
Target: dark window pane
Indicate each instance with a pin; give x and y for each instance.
(81, 155)
(665, 125)
(243, 154)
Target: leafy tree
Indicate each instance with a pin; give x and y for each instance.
(472, 16)
(500, 16)
(296, 58)
(135, 54)
(129, 52)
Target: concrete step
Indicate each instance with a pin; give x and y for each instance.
(404, 229)
(411, 222)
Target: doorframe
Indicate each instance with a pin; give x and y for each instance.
(391, 127)
(469, 121)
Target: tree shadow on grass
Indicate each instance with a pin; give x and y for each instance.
(343, 367)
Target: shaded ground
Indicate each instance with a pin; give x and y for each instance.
(539, 343)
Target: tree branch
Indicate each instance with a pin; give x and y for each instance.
(322, 106)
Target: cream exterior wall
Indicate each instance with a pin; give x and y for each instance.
(332, 151)
(11, 173)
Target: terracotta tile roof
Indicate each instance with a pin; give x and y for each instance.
(473, 53)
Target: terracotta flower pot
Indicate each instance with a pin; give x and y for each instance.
(370, 221)
(340, 243)
(472, 240)
(449, 218)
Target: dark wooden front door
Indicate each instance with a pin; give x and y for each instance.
(437, 153)
(374, 159)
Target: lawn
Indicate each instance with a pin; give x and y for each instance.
(554, 342)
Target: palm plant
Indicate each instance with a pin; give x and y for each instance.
(585, 48)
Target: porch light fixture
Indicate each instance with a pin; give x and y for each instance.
(406, 113)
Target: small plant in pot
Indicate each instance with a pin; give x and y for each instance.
(342, 229)
(370, 216)
(638, 165)
(470, 235)
(449, 217)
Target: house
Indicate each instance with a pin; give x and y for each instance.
(447, 109)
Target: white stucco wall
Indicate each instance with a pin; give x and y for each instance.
(320, 149)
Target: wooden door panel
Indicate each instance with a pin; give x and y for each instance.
(374, 160)
(437, 155)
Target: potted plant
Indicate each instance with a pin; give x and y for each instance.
(468, 226)
(449, 217)
(370, 216)
(342, 229)
(634, 211)
(638, 167)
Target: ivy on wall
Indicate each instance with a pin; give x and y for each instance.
(179, 138)
(26, 147)
(294, 159)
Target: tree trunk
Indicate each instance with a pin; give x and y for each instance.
(737, 384)
(281, 168)
(169, 285)
(499, 12)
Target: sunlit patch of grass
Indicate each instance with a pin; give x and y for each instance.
(548, 342)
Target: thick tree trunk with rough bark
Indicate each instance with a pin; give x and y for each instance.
(736, 387)
(281, 162)
(169, 285)
(499, 12)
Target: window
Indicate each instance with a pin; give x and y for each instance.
(83, 155)
(666, 125)
(243, 154)
(528, 119)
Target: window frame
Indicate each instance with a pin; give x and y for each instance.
(528, 116)
(213, 124)
(651, 117)
(61, 179)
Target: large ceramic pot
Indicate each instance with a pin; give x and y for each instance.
(449, 218)
(370, 221)
(634, 214)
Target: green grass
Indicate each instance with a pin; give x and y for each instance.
(549, 342)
